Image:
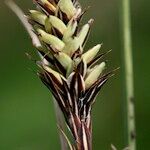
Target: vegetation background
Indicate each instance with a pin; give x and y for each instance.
(27, 119)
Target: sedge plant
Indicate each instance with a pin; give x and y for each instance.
(73, 74)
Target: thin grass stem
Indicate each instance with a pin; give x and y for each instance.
(128, 66)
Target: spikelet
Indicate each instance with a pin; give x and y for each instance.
(73, 76)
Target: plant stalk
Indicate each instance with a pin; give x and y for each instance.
(128, 66)
(61, 124)
(82, 134)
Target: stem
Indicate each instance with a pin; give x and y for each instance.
(61, 124)
(81, 132)
(128, 64)
(84, 140)
(20, 14)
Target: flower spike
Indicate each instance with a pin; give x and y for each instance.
(73, 76)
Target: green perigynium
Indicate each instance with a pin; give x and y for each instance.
(72, 74)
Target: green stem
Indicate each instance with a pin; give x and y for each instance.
(128, 64)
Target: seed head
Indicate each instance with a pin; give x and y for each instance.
(73, 75)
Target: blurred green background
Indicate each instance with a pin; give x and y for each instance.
(27, 119)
